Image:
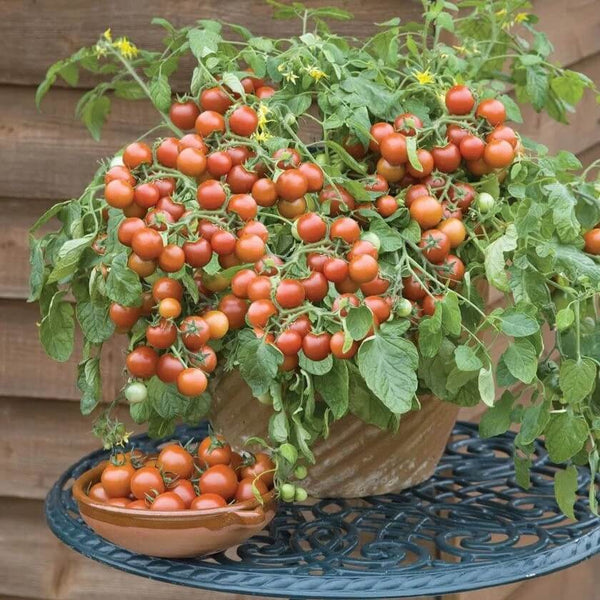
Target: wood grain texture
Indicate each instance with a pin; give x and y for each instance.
(26, 371)
(56, 28)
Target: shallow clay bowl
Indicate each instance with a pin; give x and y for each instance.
(175, 534)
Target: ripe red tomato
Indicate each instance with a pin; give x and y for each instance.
(375, 286)
(141, 362)
(345, 228)
(407, 123)
(209, 122)
(175, 460)
(98, 493)
(207, 501)
(455, 230)
(363, 268)
(412, 288)
(290, 293)
(435, 245)
(158, 219)
(205, 358)
(316, 345)
(379, 307)
(147, 481)
(234, 309)
(193, 140)
(249, 248)
(426, 160)
(376, 183)
(492, 111)
(167, 502)
(311, 227)
(479, 167)
(185, 490)
(168, 368)
(426, 211)
(137, 154)
(288, 158)
(194, 332)
(335, 269)
(447, 158)
(291, 209)
(191, 161)
(504, 132)
(337, 197)
(354, 147)
(386, 205)
(219, 163)
(240, 180)
(459, 100)
(243, 121)
(184, 114)
(219, 479)
(118, 193)
(592, 241)
(429, 303)
(211, 195)
(391, 173)
(260, 311)
(378, 132)
(451, 269)
(289, 342)
(119, 172)
(315, 287)
(264, 92)
(302, 325)
(313, 174)
(291, 184)
(264, 192)
(462, 194)
(498, 154)
(124, 317)
(171, 259)
(116, 479)
(214, 450)
(146, 195)
(336, 345)
(243, 205)
(215, 99)
(168, 151)
(192, 382)
(414, 192)
(247, 487)
(393, 148)
(263, 469)
(198, 253)
(345, 301)
(472, 147)
(259, 288)
(240, 281)
(144, 268)
(175, 209)
(456, 134)
(161, 336)
(165, 287)
(223, 242)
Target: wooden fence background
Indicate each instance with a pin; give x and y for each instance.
(48, 156)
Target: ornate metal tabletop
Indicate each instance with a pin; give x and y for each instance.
(469, 526)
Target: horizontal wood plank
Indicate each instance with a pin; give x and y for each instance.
(573, 26)
(27, 372)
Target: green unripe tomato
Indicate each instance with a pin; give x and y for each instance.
(295, 233)
(301, 495)
(287, 491)
(372, 238)
(403, 308)
(485, 202)
(321, 159)
(265, 399)
(300, 472)
(136, 392)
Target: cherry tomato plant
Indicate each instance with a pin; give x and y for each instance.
(348, 273)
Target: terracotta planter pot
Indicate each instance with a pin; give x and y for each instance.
(356, 459)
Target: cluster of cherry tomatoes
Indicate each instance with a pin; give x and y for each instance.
(216, 194)
(212, 476)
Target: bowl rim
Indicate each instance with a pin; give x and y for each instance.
(92, 476)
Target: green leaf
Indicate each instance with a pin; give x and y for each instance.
(94, 113)
(565, 436)
(565, 490)
(445, 21)
(89, 383)
(68, 257)
(36, 272)
(94, 321)
(522, 471)
(346, 158)
(537, 86)
(360, 124)
(258, 363)
(49, 214)
(140, 411)
(466, 359)
(332, 12)
(122, 284)
(129, 90)
(203, 42)
(233, 83)
(576, 263)
(518, 324)
(196, 409)
(486, 385)
(279, 430)
(496, 420)
(569, 87)
(533, 422)
(333, 388)
(565, 317)
(57, 329)
(165, 399)
(388, 366)
(563, 204)
(315, 367)
(577, 379)
(390, 239)
(521, 360)
(411, 148)
(358, 321)
(430, 334)
(160, 92)
(513, 112)
(495, 263)
(451, 317)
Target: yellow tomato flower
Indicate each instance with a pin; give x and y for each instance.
(126, 48)
(290, 76)
(99, 51)
(316, 74)
(521, 17)
(262, 135)
(107, 35)
(424, 77)
(501, 12)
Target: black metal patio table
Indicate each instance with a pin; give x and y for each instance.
(469, 526)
